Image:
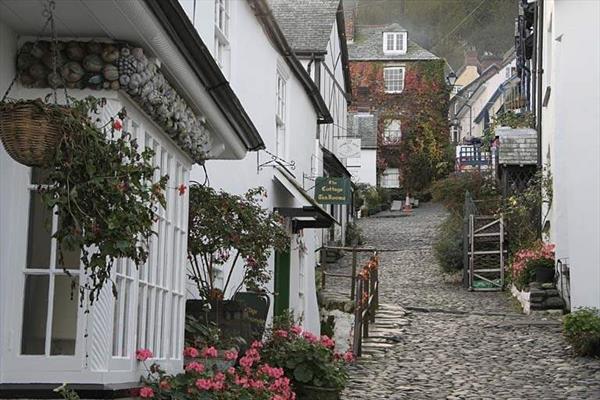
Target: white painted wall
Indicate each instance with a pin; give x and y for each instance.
(364, 169)
(571, 140)
(255, 84)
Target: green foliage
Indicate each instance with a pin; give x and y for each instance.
(451, 191)
(448, 245)
(328, 326)
(201, 334)
(305, 359)
(101, 187)
(353, 234)
(582, 330)
(66, 393)
(225, 227)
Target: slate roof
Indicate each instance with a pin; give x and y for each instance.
(364, 126)
(368, 45)
(517, 146)
(306, 24)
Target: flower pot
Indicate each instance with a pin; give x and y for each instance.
(544, 275)
(29, 132)
(307, 392)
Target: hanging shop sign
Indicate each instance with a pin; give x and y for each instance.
(349, 148)
(333, 190)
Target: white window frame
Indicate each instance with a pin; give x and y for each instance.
(390, 178)
(395, 42)
(397, 82)
(392, 135)
(222, 40)
(281, 114)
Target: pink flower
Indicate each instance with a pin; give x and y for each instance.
(143, 354)
(231, 371)
(231, 355)
(271, 371)
(257, 344)
(181, 189)
(146, 392)
(327, 341)
(296, 330)
(246, 362)
(209, 352)
(191, 352)
(310, 337)
(348, 357)
(281, 333)
(117, 125)
(195, 367)
(203, 384)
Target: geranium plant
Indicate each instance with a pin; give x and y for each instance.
(228, 228)
(252, 379)
(526, 260)
(307, 359)
(100, 184)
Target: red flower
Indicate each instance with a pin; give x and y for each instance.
(143, 354)
(117, 125)
(146, 392)
(191, 352)
(182, 188)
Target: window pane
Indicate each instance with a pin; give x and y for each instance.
(35, 314)
(39, 238)
(64, 319)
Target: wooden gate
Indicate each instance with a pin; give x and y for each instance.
(484, 248)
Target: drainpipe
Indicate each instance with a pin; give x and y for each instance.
(539, 72)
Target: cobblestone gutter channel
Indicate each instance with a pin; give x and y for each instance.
(435, 340)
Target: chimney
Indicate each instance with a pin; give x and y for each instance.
(488, 59)
(350, 20)
(471, 57)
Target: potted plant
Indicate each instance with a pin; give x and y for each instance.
(235, 232)
(534, 263)
(315, 369)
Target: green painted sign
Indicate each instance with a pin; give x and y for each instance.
(330, 190)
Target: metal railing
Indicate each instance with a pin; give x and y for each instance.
(364, 292)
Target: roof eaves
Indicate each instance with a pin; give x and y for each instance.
(264, 13)
(175, 21)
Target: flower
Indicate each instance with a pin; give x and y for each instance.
(281, 333)
(209, 352)
(165, 385)
(327, 341)
(203, 384)
(231, 355)
(348, 357)
(117, 125)
(246, 362)
(191, 352)
(257, 344)
(231, 371)
(143, 354)
(181, 189)
(310, 337)
(296, 330)
(195, 367)
(146, 392)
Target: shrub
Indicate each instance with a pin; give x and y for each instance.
(450, 191)
(582, 331)
(353, 234)
(448, 245)
(522, 268)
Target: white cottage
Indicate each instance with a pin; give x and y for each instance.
(283, 93)
(45, 337)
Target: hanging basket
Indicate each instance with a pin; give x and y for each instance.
(30, 131)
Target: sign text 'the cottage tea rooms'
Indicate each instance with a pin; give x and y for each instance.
(333, 190)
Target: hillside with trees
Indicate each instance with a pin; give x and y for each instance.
(446, 27)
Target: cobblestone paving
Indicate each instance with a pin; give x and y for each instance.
(456, 344)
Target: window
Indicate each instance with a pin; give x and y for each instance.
(393, 78)
(454, 133)
(390, 178)
(50, 307)
(392, 131)
(222, 33)
(280, 142)
(394, 43)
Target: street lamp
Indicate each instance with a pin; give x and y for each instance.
(451, 79)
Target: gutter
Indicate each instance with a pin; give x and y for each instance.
(175, 21)
(265, 15)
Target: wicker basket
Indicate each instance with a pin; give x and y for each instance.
(28, 134)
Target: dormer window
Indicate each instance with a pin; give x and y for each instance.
(394, 43)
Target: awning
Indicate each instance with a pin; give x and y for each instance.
(310, 214)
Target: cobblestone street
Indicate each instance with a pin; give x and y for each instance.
(456, 344)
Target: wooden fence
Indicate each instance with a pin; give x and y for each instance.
(364, 291)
